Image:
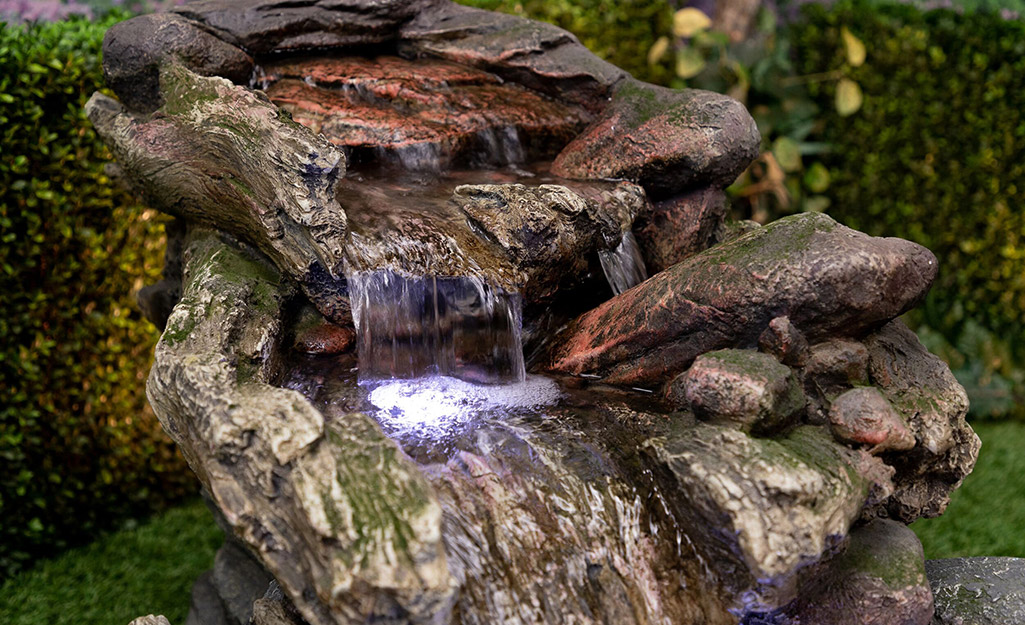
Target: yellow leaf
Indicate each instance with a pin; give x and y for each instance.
(689, 63)
(658, 50)
(855, 49)
(848, 97)
(787, 154)
(689, 21)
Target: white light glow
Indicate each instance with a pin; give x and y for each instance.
(434, 405)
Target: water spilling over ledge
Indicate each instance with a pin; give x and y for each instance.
(434, 185)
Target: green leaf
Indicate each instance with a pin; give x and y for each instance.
(689, 21)
(658, 50)
(817, 178)
(855, 48)
(848, 97)
(787, 154)
(689, 63)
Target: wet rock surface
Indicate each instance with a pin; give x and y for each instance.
(978, 591)
(828, 279)
(674, 229)
(665, 140)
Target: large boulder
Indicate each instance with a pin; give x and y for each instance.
(828, 279)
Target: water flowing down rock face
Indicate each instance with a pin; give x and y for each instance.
(456, 332)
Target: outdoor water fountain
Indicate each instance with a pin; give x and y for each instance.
(416, 360)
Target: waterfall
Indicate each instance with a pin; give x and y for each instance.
(435, 325)
(624, 267)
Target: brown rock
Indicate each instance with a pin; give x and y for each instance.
(667, 141)
(785, 342)
(677, 228)
(316, 335)
(828, 279)
(745, 389)
(832, 367)
(862, 416)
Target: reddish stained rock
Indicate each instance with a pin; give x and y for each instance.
(677, 228)
(324, 338)
(862, 416)
(782, 340)
(665, 140)
(437, 109)
(828, 279)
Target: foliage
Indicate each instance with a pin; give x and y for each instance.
(619, 32)
(147, 569)
(986, 514)
(79, 447)
(937, 155)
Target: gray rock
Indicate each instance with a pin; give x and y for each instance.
(828, 279)
(290, 485)
(764, 508)
(150, 620)
(862, 416)
(978, 591)
(745, 389)
(879, 579)
(239, 580)
(785, 342)
(135, 49)
(665, 140)
(205, 605)
(675, 229)
(933, 405)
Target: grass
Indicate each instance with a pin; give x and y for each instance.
(987, 514)
(150, 568)
(134, 572)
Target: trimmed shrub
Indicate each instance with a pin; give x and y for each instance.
(936, 154)
(80, 450)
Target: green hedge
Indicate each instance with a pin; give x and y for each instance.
(79, 448)
(936, 154)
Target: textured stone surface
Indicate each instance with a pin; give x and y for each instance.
(741, 388)
(538, 55)
(420, 114)
(768, 506)
(135, 49)
(264, 26)
(205, 605)
(828, 279)
(150, 620)
(674, 229)
(978, 591)
(313, 334)
(239, 580)
(879, 580)
(862, 416)
(293, 488)
(785, 342)
(667, 141)
(225, 156)
(928, 398)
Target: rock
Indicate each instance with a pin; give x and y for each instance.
(239, 580)
(135, 49)
(316, 335)
(828, 279)
(862, 416)
(677, 228)
(549, 232)
(274, 608)
(933, 405)
(762, 508)
(150, 620)
(740, 388)
(420, 114)
(205, 605)
(878, 580)
(158, 300)
(540, 56)
(291, 486)
(275, 26)
(224, 156)
(665, 140)
(978, 591)
(785, 342)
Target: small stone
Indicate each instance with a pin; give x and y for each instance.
(316, 335)
(978, 591)
(675, 229)
(785, 342)
(740, 388)
(862, 416)
(151, 620)
(666, 140)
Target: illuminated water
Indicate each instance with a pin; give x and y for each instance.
(624, 267)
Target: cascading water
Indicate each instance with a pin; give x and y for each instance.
(624, 266)
(435, 325)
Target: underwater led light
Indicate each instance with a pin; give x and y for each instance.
(437, 404)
